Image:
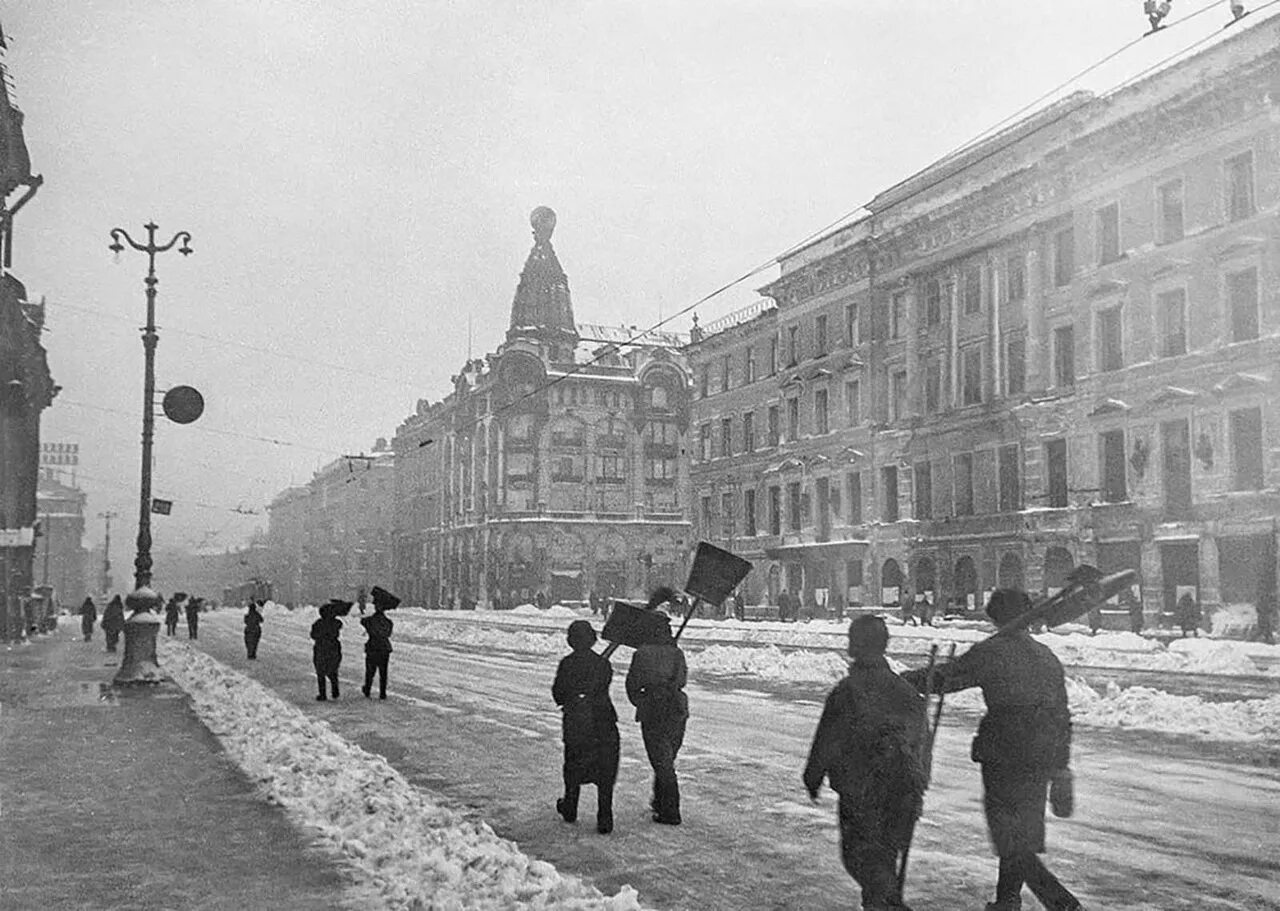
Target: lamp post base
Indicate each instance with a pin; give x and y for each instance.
(139, 665)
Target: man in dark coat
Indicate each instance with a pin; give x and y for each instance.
(1134, 607)
(113, 622)
(252, 631)
(1023, 743)
(590, 726)
(326, 653)
(871, 743)
(655, 686)
(377, 648)
(193, 618)
(171, 612)
(88, 617)
(1189, 614)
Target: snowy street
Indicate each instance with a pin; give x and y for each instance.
(1162, 822)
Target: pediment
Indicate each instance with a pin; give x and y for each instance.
(1107, 288)
(1173, 395)
(1170, 267)
(1240, 246)
(1109, 406)
(1241, 381)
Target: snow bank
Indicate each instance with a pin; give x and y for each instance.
(532, 610)
(408, 850)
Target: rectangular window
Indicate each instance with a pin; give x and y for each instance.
(773, 356)
(1169, 201)
(1064, 356)
(1110, 340)
(793, 506)
(660, 469)
(851, 334)
(775, 510)
(775, 431)
(749, 432)
(853, 573)
(1114, 486)
(932, 302)
(933, 385)
(972, 289)
(898, 315)
(793, 419)
(724, 373)
(708, 516)
(923, 490)
(854, 485)
(1055, 456)
(1108, 228)
(820, 416)
(793, 345)
(1015, 366)
(1246, 449)
(1242, 304)
(853, 402)
(898, 391)
(726, 436)
(1016, 277)
(889, 477)
(1239, 173)
(727, 530)
(820, 335)
(963, 465)
(1010, 467)
(749, 365)
(749, 512)
(1064, 257)
(611, 467)
(971, 370)
(704, 442)
(1171, 315)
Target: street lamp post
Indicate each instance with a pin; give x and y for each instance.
(139, 665)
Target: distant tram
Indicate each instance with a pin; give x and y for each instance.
(253, 590)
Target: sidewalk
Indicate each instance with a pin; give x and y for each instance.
(121, 799)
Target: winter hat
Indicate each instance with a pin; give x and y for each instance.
(1007, 603)
(663, 594)
(383, 599)
(868, 635)
(581, 635)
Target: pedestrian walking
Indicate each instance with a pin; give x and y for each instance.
(1023, 746)
(908, 610)
(589, 724)
(924, 606)
(871, 744)
(252, 631)
(1188, 609)
(377, 648)
(1095, 619)
(193, 618)
(88, 617)
(1134, 607)
(326, 652)
(655, 686)
(113, 622)
(171, 613)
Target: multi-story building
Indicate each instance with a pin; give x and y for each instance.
(1056, 346)
(61, 560)
(554, 465)
(288, 517)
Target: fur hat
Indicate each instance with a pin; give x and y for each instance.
(868, 635)
(383, 599)
(1007, 603)
(581, 635)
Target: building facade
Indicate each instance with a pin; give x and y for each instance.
(1058, 346)
(554, 466)
(61, 559)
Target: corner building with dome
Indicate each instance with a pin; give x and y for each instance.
(554, 465)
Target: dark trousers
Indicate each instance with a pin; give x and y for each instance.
(171, 627)
(251, 644)
(87, 629)
(1014, 801)
(1018, 869)
(604, 802)
(868, 856)
(193, 627)
(376, 661)
(113, 638)
(327, 671)
(662, 741)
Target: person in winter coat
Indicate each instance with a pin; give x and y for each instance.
(171, 614)
(1134, 607)
(589, 725)
(113, 622)
(1023, 745)
(326, 653)
(1189, 614)
(377, 648)
(655, 686)
(871, 744)
(88, 616)
(252, 631)
(193, 618)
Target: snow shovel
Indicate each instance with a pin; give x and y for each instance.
(928, 749)
(1086, 588)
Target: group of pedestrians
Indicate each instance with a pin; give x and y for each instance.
(182, 603)
(326, 652)
(655, 686)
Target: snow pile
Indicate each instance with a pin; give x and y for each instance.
(1236, 620)
(769, 663)
(1146, 709)
(555, 610)
(410, 851)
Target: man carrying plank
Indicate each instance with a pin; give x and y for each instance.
(871, 743)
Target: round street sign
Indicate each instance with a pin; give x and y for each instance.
(183, 404)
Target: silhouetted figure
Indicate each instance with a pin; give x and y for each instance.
(1155, 11)
(1134, 607)
(871, 744)
(589, 725)
(655, 686)
(252, 631)
(326, 653)
(88, 616)
(193, 618)
(1188, 609)
(1023, 744)
(113, 622)
(171, 614)
(1095, 620)
(377, 648)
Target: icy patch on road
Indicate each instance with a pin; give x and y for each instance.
(414, 853)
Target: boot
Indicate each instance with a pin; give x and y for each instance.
(1014, 904)
(563, 810)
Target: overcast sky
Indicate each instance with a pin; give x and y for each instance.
(358, 177)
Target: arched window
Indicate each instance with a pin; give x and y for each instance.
(967, 583)
(1057, 567)
(926, 576)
